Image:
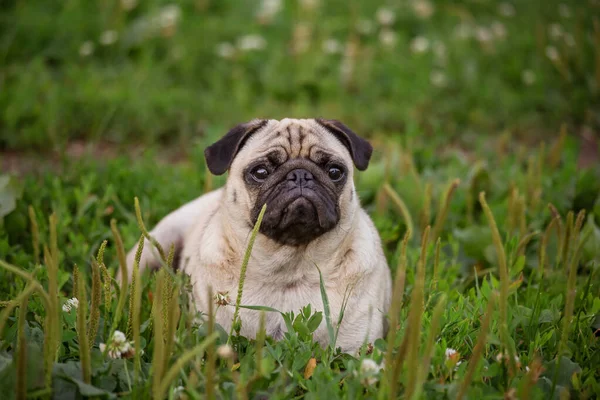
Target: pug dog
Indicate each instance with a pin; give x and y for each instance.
(302, 169)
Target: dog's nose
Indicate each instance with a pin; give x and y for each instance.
(299, 176)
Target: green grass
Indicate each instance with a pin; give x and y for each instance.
(544, 322)
(470, 66)
(485, 282)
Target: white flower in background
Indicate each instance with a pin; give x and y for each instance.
(438, 79)
(423, 8)
(301, 37)
(368, 372)
(552, 53)
(528, 77)
(225, 50)
(419, 44)
(564, 10)
(450, 352)
(498, 29)
(388, 37)
(364, 26)
(385, 16)
(269, 9)
(332, 46)
(506, 10)
(439, 50)
(71, 303)
(108, 37)
(570, 40)
(251, 42)
(118, 347)
(225, 351)
(86, 49)
(556, 31)
(178, 392)
(483, 34)
(309, 4)
(169, 15)
(128, 5)
(463, 31)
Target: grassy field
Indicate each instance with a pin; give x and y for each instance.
(496, 294)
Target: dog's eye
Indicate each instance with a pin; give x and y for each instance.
(335, 173)
(259, 173)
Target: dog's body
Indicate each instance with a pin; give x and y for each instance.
(302, 170)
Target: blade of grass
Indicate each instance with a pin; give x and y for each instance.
(35, 235)
(504, 279)
(443, 210)
(175, 369)
(415, 316)
(395, 306)
(21, 356)
(82, 337)
(243, 270)
(433, 332)
(402, 208)
(479, 347)
(150, 238)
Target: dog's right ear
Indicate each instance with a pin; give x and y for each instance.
(220, 155)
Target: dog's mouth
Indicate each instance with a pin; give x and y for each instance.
(297, 215)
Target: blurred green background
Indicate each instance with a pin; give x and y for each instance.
(131, 72)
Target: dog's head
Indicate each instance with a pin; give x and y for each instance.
(302, 170)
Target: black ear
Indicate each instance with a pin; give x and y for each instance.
(220, 155)
(359, 148)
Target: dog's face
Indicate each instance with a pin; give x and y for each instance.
(302, 170)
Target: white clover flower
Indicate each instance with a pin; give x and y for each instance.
(526, 368)
(420, 44)
(108, 37)
(483, 34)
(251, 42)
(118, 347)
(128, 5)
(222, 298)
(450, 352)
(269, 9)
(87, 49)
(70, 304)
(506, 10)
(169, 15)
(438, 79)
(498, 29)
(552, 53)
(364, 26)
(309, 4)
(439, 50)
(385, 16)
(463, 31)
(332, 46)
(178, 392)
(528, 77)
(423, 9)
(388, 38)
(225, 351)
(564, 10)
(555, 31)
(225, 50)
(368, 372)
(570, 40)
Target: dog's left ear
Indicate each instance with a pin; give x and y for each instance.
(220, 155)
(359, 148)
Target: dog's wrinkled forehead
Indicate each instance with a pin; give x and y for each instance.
(292, 137)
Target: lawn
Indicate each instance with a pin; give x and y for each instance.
(484, 187)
